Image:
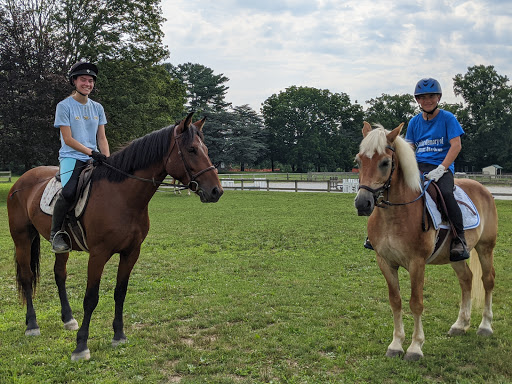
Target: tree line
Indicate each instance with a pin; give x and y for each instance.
(299, 129)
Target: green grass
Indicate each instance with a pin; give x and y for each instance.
(257, 288)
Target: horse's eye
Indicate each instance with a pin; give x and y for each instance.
(192, 150)
(384, 163)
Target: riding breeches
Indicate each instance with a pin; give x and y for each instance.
(70, 170)
(446, 186)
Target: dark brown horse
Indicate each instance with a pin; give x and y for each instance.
(116, 218)
(388, 167)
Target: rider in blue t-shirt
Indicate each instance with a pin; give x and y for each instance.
(82, 130)
(436, 136)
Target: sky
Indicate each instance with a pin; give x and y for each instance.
(363, 48)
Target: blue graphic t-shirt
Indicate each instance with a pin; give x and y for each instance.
(84, 120)
(432, 137)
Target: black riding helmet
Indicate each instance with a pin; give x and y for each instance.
(82, 68)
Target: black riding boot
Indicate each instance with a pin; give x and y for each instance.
(58, 239)
(459, 251)
(367, 244)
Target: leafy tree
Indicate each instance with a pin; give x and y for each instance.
(205, 90)
(246, 140)
(28, 85)
(390, 111)
(487, 116)
(40, 39)
(312, 129)
(137, 100)
(102, 30)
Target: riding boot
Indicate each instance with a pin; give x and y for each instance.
(367, 244)
(57, 236)
(459, 251)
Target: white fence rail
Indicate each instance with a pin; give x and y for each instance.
(262, 184)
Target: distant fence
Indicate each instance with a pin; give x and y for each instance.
(5, 176)
(333, 184)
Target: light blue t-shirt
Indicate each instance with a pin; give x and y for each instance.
(432, 137)
(84, 121)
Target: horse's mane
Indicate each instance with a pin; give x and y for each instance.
(141, 153)
(376, 142)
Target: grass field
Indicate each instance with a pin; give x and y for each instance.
(257, 288)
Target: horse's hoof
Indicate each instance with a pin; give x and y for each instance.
(116, 343)
(413, 356)
(33, 332)
(71, 325)
(484, 332)
(84, 355)
(394, 353)
(456, 331)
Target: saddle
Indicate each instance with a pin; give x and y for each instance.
(72, 222)
(434, 205)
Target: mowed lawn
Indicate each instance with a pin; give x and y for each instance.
(258, 288)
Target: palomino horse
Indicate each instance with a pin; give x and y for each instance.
(116, 218)
(387, 165)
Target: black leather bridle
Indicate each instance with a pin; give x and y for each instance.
(193, 185)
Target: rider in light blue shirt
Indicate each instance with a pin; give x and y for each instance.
(82, 131)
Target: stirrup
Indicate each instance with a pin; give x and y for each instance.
(459, 255)
(65, 239)
(368, 245)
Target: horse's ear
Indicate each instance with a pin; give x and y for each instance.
(391, 136)
(367, 128)
(187, 121)
(199, 124)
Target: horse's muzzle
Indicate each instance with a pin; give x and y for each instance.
(364, 202)
(210, 196)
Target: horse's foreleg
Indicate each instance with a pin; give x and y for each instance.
(488, 274)
(94, 272)
(60, 271)
(395, 301)
(417, 276)
(126, 263)
(465, 280)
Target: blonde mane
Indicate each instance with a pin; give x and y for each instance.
(376, 142)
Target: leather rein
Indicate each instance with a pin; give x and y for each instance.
(378, 193)
(193, 185)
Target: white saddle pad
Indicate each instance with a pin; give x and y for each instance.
(50, 197)
(470, 215)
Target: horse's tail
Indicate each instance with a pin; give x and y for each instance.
(35, 251)
(477, 290)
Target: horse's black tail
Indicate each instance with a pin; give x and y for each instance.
(35, 252)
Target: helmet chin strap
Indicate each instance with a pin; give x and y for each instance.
(430, 112)
(80, 92)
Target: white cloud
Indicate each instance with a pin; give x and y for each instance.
(360, 47)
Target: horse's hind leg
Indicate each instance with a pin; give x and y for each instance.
(60, 271)
(27, 274)
(465, 280)
(485, 254)
(395, 300)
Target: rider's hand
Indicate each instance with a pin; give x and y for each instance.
(436, 174)
(98, 157)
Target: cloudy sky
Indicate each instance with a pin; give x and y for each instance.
(363, 48)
